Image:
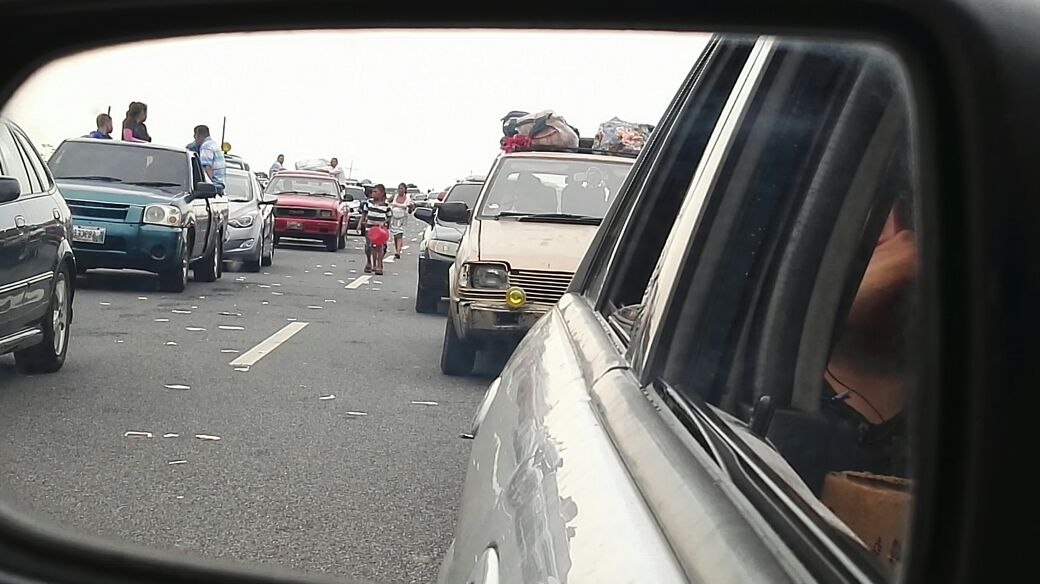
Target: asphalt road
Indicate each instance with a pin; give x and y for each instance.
(294, 480)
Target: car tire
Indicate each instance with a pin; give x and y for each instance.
(220, 255)
(332, 243)
(176, 280)
(253, 264)
(267, 259)
(49, 355)
(457, 355)
(207, 268)
(425, 303)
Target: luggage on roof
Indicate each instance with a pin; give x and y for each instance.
(617, 135)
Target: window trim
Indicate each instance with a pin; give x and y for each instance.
(46, 180)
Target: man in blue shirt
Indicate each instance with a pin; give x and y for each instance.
(210, 155)
(104, 128)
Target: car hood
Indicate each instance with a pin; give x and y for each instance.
(115, 193)
(311, 201)
(527, 245)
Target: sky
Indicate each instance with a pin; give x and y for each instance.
(422, 107)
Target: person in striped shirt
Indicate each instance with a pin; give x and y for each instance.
(375, 211)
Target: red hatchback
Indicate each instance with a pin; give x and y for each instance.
(310, 206)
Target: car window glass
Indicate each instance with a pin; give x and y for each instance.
(303, 186)
(14, 165)
(464, 193)
(101, 160)
(38, 173)
(792, 320)
(237, 187)
(641, 227)
(531, 186)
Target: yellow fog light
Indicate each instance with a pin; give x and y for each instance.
(516, 297)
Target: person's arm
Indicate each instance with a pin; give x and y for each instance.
(128, 136)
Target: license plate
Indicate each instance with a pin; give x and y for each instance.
(88, 234)
(295, 225)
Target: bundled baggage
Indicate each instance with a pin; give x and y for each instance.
(616, 135)
(319, 164)
(545, 128)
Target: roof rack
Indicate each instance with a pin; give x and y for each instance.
(579, 150)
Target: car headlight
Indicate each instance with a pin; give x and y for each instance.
(162, 215)
(325, 214)
(242, 220)
(446, 248)
(493, 276)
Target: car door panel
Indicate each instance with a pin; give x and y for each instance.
(12, 275)
(534, 488)
(201, 211)
(44, 229)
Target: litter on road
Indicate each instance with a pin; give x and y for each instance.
(330, 300)
(226, 327)
(177, 386)
(194, 329)
(264, 303)
(171, 344)
(142, 298)
(171, 435)
(424, 403)
(105, 303)
(207, 437)
(228, 351)
(120, 341)
(327, 397)
(242, 369)
(235, 314)
(181, 311)
(359, 414)
(263, 286)
(327, 274)
(173, 462)
(162, 320)
(135, 434)
(277, 294)
(314, 308)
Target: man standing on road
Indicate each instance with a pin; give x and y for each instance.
(211, 157)
(277, 166)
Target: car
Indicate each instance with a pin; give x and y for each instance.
(37, 263)
(722, 389)
(526, 234)
(439, 243)
(416, 194)
(142, 206)
(262, 178)
(354, 195)
(250, 236)
(310, 206)
(233, 161)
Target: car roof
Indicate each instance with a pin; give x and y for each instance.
(123, 144)
(305, 174)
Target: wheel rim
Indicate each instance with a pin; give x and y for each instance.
(184, 266)
(60, 318)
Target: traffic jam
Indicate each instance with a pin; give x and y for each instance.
(598, 352)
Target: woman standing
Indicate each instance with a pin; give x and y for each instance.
(134, 129)
(400, 208)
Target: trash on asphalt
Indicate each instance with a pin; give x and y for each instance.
(327, 274)
(207, 437)
(424, 403)
(226, 327)
(162, 320)
(242, 369)
(228, 351)
(314, 307)
(142, 298)
(120, 341)
(264, 303)
(171, 435)
(291, 319)
(264, 286)
(327, 397)
(330, 300)
(177, 386)
(277, 294)
(171, 344)
(135, 434)
(194, 329)
(236, 314)
(359, 414)
(180, 311)
(105, 303)
(173, 462)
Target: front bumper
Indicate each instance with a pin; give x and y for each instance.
(243, 242)
(308, 228)
(485, 322)
(132, 246)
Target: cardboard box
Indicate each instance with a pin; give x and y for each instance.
(875, 507)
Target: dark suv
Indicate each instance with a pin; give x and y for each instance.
(36, 260)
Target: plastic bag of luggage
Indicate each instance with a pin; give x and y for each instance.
(616, 135)
(547, 128)
(314, 164)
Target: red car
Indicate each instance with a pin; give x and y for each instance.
(310, 206)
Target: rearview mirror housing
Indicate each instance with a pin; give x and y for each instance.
(424, 214)
(204, 190)
(453, 212)
(9, 189)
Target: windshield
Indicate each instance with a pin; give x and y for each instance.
(537, 186)
(464, 193)
(357, 192)
(236, 187)
(302, 186)
(117, 163)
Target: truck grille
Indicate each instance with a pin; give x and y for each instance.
(541, 287)
(97, 210)
(295, 212)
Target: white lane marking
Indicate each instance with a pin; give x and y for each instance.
(250, 357)
(358, 282)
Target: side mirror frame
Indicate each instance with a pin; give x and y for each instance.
(269, 201)
(454, 212)
(10, 190)
(424, 214)
(204, 190)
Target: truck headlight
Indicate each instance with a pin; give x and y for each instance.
(493, 276)
(326, 214)
(445, 248)
(162, 215)
(242, 220)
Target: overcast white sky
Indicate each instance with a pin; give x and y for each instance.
(420, 107)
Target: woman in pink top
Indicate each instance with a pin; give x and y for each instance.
(134, 129)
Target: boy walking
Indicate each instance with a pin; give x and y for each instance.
(375, 212)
